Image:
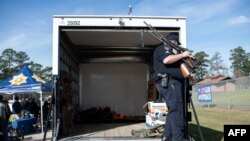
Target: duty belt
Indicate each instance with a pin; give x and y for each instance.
(164, 79)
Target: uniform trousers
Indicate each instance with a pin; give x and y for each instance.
(173, 96)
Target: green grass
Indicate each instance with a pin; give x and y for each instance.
(212, 122)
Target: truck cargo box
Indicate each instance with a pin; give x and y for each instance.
(105, 62)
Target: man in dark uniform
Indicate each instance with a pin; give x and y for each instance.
(4, 117)
(17, 107)
(169, 83)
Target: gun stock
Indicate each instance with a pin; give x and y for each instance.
(185, 71)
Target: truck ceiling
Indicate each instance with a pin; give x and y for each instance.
(103, 42)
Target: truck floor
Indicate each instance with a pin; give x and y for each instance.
(105, 131)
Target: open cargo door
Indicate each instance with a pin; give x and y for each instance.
(109, 62)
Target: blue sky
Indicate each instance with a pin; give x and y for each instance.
(212, 25)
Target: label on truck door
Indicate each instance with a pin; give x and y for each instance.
(67, 22)
(73, 23)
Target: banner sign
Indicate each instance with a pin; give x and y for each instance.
(204, 93)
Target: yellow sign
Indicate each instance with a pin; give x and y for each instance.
(38, 79)
(18, 80)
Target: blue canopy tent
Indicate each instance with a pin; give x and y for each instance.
(26, 82)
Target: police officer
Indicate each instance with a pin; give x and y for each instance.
(169, 83)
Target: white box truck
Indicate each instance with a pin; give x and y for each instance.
(105, 61)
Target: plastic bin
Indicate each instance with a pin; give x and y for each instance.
(26, 125)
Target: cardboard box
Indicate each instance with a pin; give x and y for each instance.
(157, 118)
(157, 113)
(154, 107)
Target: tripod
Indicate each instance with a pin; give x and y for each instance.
(187, 115)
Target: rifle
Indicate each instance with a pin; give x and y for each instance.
(188, 64)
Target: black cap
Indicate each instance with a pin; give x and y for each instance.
(173, 36)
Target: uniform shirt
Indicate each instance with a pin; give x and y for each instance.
(16, 107)
(4, 113)
(173, 70)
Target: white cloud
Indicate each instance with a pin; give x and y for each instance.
(25, 41)
(195, 11)
(13, 41)
(37, 46)
(200, 12)
(239, 20)
(34, 38)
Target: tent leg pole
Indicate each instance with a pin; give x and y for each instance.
(41, 106)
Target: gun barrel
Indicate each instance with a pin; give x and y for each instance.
(161, 38)
(191, 63)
